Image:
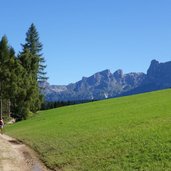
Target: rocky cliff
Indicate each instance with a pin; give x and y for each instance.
(105, 84)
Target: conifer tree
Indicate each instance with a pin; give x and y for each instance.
(32, 95)
(4, 71)
(20, 104)
(18, 86)
(8, 77)
(35, 47)
(33, 61)
(20, 76)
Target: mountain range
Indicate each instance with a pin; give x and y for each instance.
(105, 84)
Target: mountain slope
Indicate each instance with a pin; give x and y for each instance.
(127, 133)
(105, 84)
(158, 77)
(101, 85)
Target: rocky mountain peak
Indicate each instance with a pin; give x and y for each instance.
(106, 73)
(154, 62)
(118, 74)
(159, 74)
(104, 84)
(153, 67)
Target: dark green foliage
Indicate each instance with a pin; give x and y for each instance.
(56, 104)
(30, 65)
(7, 75)
(19, 76)
(4, 69)
(21, 102)
(35, 47)
(33, 62)
(32, 41)
(50, 105)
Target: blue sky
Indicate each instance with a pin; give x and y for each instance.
(81, 37)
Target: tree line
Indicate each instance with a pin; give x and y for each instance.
(55, 104)
(20, 76)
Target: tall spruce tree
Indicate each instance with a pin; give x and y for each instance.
(35, 47)
(8, 76)
(33, 62)
(20, 104)
(4, 71)
(32, 93)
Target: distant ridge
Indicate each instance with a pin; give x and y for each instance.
(105, 84)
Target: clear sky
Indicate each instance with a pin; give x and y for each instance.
(82, 37)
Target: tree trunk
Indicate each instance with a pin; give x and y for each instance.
(9, 105)
(1, 100)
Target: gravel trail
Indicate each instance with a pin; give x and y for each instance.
(15, 156)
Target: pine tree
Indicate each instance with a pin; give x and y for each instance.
(32, 93)
(35, 46)
(32, 61)
(4, 71)
(20, 104)
(20, 76)
(9, 78)
(8, 75)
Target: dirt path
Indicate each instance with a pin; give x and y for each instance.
(15, 156)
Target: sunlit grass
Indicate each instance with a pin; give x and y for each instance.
(122, 134)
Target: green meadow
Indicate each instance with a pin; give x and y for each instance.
(121, 134)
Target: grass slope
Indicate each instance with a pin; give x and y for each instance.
(122, 134)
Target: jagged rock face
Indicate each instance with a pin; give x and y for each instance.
(104, 84)
(98, 86)
(118, 75)
(159, 74)
(158, 77)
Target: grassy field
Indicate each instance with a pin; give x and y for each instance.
(121, 134)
